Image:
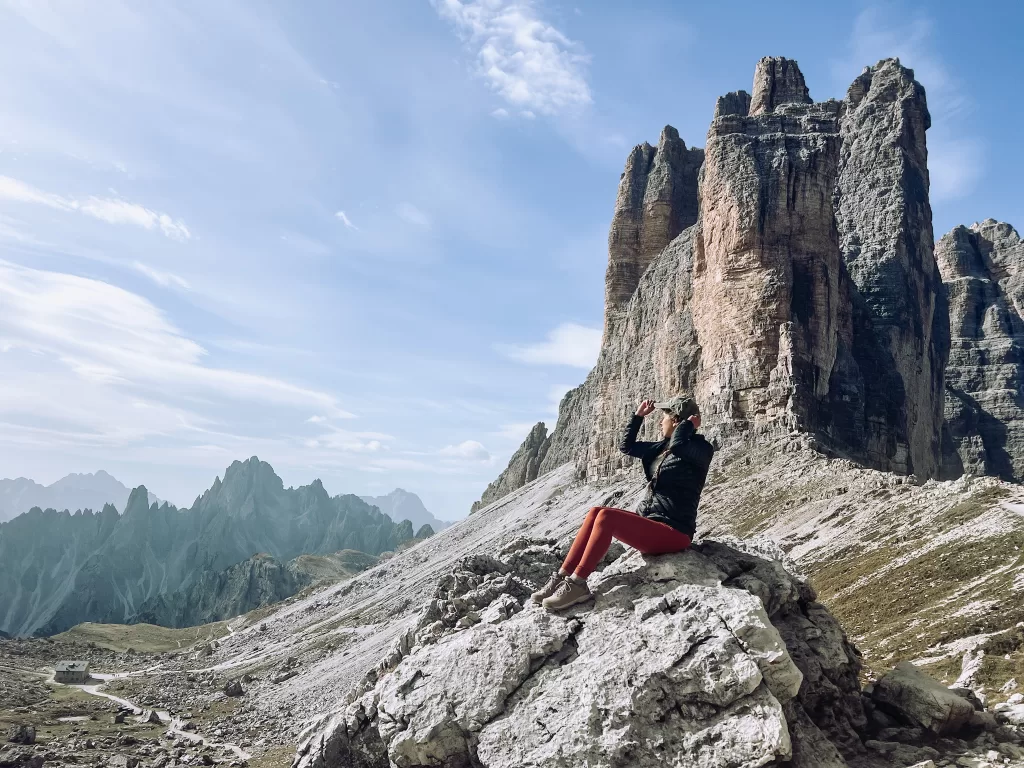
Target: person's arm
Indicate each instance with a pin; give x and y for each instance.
(629, 445)
(680, 437)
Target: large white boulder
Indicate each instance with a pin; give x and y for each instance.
(675, 662)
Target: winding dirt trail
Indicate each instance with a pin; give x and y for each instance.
(174, 724)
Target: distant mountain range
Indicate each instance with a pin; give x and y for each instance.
(260, 580)
(74, 492)
(402, 505)
(58, 568)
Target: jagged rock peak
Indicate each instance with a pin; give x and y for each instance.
(668, 133)
(989, 249)
(138, 501)
(888, 81)
(733, 103)
(251, 470)
(522, 468)
(657, 199)
(994, 230)
(777, 80)
(885, 227)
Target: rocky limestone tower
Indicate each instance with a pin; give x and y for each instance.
(657, 200)
(983, 270)
(804, 302)
(816, 300)
(769, 301)
(885, 228)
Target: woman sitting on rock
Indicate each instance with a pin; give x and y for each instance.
(676, 467)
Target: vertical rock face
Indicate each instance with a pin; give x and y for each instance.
(804, 300)
(816, 300)
(653, 351)
(885, 228)
(657, 200)
(768, 294)
(983, 269)
(777, 81)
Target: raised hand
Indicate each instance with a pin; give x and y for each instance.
(645, 408)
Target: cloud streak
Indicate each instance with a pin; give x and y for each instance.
(166, 279)
(568, 344)
(110, 210)
(526, 61)
(411, 214)
(108, 335)
(470, 450)
(345, 220)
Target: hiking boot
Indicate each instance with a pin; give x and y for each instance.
(548, 589)
(570, 592)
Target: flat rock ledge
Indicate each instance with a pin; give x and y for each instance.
(719, 657)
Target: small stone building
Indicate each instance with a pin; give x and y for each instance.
(72, 672)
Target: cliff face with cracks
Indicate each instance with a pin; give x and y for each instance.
(804, 302)
(983, 269)
(657, 200)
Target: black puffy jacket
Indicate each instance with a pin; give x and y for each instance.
(677, 479)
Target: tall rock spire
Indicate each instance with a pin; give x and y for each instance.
(777, 81)
(885, 229)
(768, 300)
(657, 200)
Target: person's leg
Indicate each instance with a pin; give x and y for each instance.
(648, 536)
(579, 544)
(571, 560)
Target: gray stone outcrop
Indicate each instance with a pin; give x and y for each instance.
(719, 657)
(983, 269)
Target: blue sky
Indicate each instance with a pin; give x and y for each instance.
(366, 241)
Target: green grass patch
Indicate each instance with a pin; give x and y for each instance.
(144, 638)
(275, 757)
(899, 612)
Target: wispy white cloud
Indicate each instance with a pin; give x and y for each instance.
(956, 158)
(165, 279)
(410, 213)
(110, 210)
(316, 419)
(345, 220)
(19, 191)
(568, 344)
(501, 113)
(346, 446)
(528, 62)
(468, 449)
(103, 333)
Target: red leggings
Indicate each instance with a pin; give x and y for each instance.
(602, 523)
